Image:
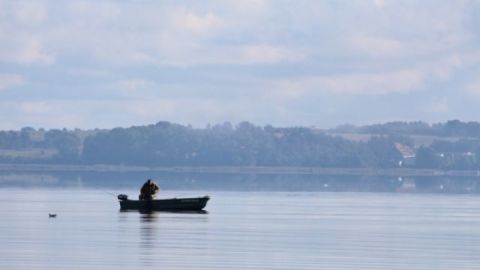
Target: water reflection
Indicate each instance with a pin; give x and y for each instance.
(148, 237)
(254, 230)
(161, 232)
(148, 216)
(245, 182)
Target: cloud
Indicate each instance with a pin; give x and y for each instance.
(251, 6)
(187, 21)
(473, 88)
(135, 88)
(174, 35)
(24, 49)
(438, 105)
(32, 107)
(43, 113)
(374, 82)
(134, 62)
(152, 109)
(379, 3)
(34, 53)
(23, 28)
(265, 54)
(89, 72)
(191, 55)
(10, 81)
(102, 11)
(376, 46)
(358, 83)
(134, 84)
(444, 68)
(448, 67)
(31, 13)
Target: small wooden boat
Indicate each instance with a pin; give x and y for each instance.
(175, 204)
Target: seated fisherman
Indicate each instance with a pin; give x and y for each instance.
(149, 189)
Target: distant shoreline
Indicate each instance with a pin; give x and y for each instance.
(239, 170)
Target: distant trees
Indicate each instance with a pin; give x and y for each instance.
(397, 128)
(457, 146)
(166, 144)
(453, 155)
(29, 144)
(452, 128)
(427, 158)
(67, 144)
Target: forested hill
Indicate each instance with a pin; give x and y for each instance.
(451, 145)
(453, 128)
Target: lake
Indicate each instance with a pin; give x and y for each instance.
(243, 229)
(253, 222)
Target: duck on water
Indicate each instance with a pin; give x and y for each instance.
(147, 201)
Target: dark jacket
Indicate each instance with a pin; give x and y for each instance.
(148, 190)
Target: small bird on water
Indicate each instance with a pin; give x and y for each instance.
(50, 215)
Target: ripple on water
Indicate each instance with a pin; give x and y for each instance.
(242, 230)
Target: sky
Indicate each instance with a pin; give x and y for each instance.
(103, 64)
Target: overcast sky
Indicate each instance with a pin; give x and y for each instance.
(104, 64)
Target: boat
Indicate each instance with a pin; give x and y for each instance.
(175, 204)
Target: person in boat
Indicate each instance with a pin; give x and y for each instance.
(148, 190)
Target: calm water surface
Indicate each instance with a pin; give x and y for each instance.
(242, 230)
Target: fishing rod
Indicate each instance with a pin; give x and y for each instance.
(110, 193)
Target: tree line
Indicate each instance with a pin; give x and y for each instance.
(245, 144)
(452, 128)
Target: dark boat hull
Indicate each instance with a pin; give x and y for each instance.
(182, 204)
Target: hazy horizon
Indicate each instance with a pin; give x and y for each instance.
(207, 125)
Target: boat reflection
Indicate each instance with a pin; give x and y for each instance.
(148, 238)
(146, 217)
